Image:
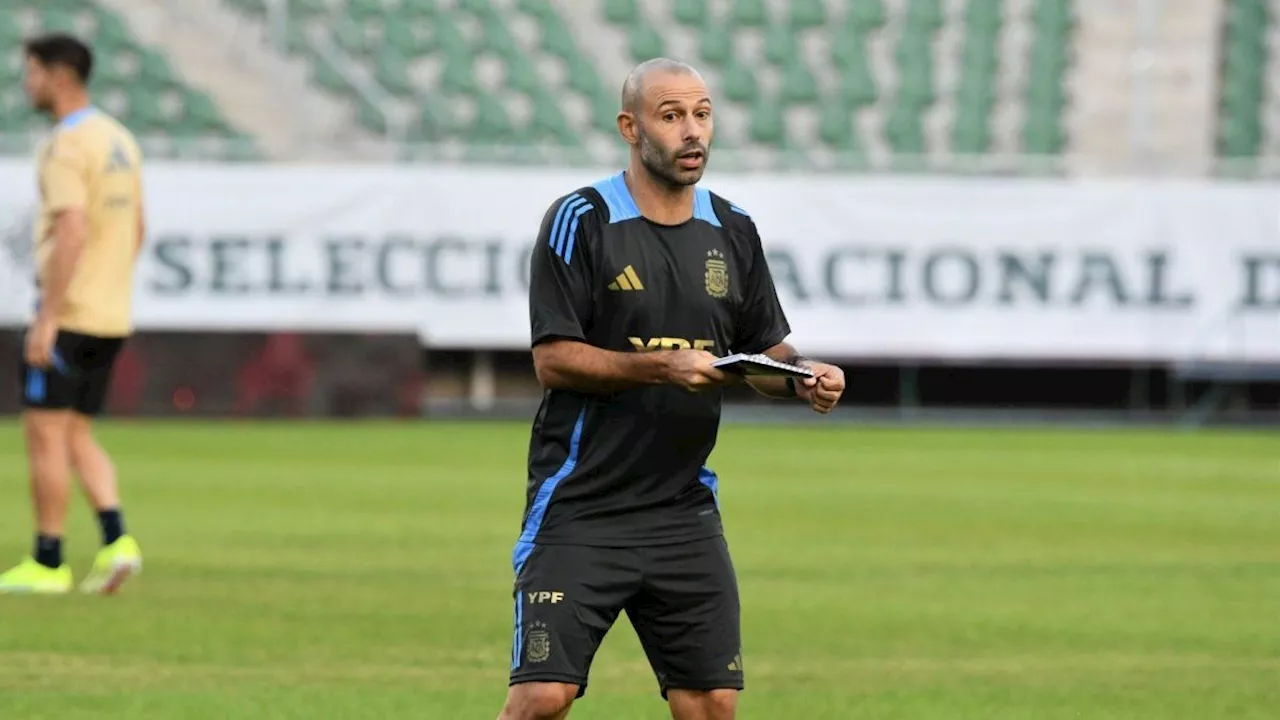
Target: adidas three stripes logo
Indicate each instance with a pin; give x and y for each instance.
(627, 280)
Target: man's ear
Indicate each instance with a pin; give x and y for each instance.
(627, 127)
(64, 76)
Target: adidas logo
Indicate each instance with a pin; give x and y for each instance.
(627, 280)
(736, 665)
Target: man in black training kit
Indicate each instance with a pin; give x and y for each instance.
(638, 284)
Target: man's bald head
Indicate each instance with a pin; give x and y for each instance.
(633, 88)
(666, 119)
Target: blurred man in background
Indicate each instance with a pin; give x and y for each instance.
(637, 284)
(87, 239)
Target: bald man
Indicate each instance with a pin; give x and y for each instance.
(638, 283)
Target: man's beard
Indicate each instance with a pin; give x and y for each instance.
(662, 164)
(41, 105)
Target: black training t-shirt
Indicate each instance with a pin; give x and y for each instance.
(627, 468)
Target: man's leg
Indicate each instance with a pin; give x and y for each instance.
(539, 701)
(687, 618)
(49, 465)
(120, 557)
(566, 599)
(46, 397)
(97, 477)
(703, 704)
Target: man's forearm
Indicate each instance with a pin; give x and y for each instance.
(572, 365)
(777, 387)
(68, 244)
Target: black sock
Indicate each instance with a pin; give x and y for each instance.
(112, 525)
(49, 551)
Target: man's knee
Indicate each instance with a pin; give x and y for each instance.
(538, 701)
(720, 704)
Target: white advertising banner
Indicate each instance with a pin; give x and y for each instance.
(867, 267)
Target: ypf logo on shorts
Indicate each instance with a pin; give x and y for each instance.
(537, 643)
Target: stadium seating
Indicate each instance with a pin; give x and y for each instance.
(825, 78)
(878, 71)
(1244, 70)
(840, 82)
(844, 82)
(132, 81)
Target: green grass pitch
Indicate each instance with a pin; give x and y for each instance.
(363, 571)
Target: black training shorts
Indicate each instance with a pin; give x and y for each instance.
(682, 600)
(79, 377)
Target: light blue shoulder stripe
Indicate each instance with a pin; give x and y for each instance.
(618, 197)
(77, 117)
(702, 208)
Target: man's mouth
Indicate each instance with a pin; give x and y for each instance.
(691, 159)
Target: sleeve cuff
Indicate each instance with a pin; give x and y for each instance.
(779, 334)
(548, 335)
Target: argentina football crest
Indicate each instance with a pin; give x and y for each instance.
(717, 275)
(537, 644)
